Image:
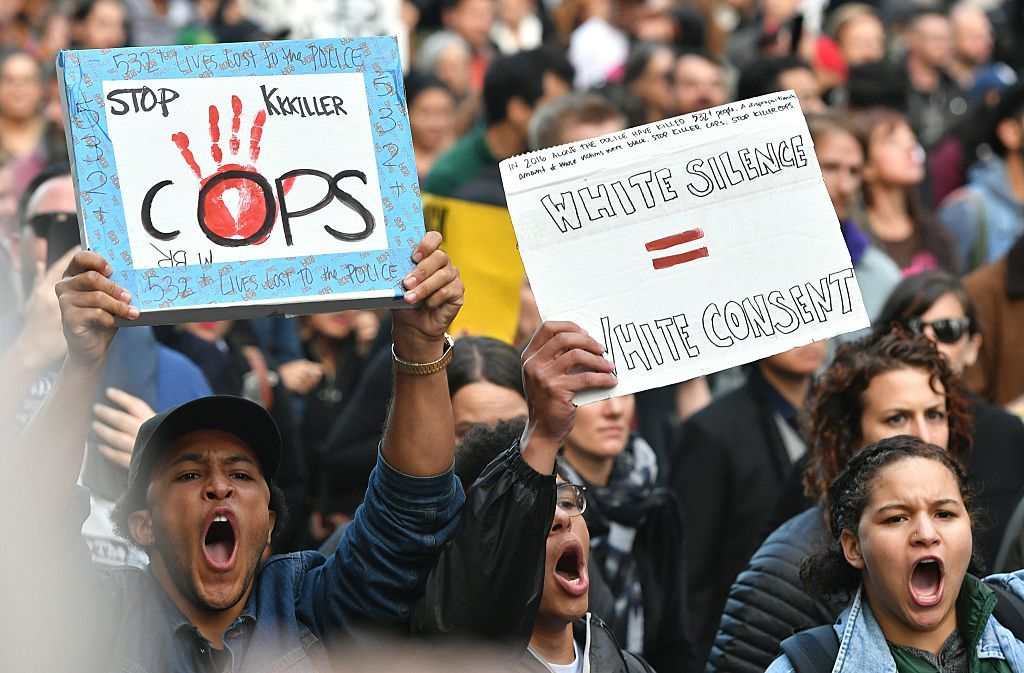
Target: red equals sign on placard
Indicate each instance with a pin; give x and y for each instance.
(670, 242)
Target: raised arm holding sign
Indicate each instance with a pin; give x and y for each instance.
(202, 503)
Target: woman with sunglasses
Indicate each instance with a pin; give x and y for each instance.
(936, 305)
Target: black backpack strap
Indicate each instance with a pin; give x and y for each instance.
(814, 650)
(1009, 610)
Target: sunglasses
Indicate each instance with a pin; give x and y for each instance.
(43, 222)
(572, 498)
(947, 330)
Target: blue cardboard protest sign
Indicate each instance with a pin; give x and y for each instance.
(242, 180)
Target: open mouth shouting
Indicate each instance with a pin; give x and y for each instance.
(570, 570)
(926, 581)
(220, 539)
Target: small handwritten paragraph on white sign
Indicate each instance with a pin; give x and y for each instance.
(687, 246)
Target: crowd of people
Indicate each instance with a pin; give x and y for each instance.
(281, 493)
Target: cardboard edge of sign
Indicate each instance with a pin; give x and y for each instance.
(242, 311)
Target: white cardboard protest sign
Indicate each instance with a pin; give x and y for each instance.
(689, 245)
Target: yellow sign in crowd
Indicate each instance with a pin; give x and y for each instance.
(482, 244)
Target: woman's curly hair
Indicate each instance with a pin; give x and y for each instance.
(837, 404)
(828, 573)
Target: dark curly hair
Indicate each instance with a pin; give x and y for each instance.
(828, 573)
(481, 445)
(837, 404)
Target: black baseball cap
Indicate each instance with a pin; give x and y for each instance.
(236, 415)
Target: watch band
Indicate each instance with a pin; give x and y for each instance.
(425, 368)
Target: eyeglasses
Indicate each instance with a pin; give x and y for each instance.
(947, 330)
(572, 498)
(42, 222)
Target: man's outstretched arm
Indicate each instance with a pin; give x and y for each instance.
(49, 452)
(419, 438)
(413, 501)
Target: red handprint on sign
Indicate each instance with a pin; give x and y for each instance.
(257, 208)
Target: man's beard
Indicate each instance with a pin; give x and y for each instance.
(182, 576)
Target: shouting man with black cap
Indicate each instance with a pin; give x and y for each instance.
(202, 503)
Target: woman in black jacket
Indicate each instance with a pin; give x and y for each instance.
(340, 344)
(637, 533)
(888, 384)
(516, 571)
(724, 471)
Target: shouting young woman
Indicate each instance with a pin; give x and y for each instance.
(901, 544)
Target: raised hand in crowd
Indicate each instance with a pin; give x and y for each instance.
(41, 341)
(89, 303)
(560, 361)
(39, 344)
(117, 426)
(300, 376)
(419, 439)
(435, 282)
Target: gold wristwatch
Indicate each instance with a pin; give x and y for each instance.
(422, 369)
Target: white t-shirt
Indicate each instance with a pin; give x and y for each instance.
(106, 547)
(575, 667)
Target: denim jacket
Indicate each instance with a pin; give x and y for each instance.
(984, 218)
(301, 605)
(862, 647)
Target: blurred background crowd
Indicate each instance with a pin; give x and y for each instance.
(917, 118)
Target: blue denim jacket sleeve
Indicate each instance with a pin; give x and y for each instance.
(997, 640)
(380, 568)
(1013, 581)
